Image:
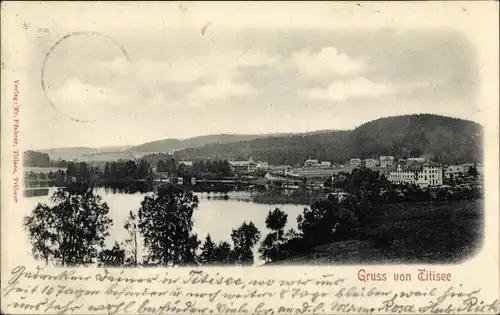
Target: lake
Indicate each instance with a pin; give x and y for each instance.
(215, 215)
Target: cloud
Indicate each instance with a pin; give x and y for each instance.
(325, 62)
(255, 59)
(77, 93)
(85, 101)
(146, 70)
(123, 86)
(207, 77)
(342, 90)
(190, 69)
(224, 87)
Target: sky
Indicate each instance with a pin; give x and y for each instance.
(127, 88)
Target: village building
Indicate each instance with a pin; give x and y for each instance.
(480, 170)
(339, 196)
(418, 159)
(262, 165)
(453, 171)
(386, 161)
(355, 162)
(311, 163)
(467, 166)
(274, 177)
(243, 166)
(186, 163)
(289, 172)
(326, 164)
(269, 176)
(416, 172)
(371, 163)
(160, 175)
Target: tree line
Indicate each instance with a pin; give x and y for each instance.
(38, 159)
(128, 171)
(443, 139)
(57, 178)
(349, 216)
(73, 230)
(201, 168)
(381, 191)
(163, 225)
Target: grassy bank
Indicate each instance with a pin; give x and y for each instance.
(427, 232)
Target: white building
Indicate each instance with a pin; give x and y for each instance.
(326, 164)
(480, 170)
(355, 162)
(455, 170)
(289, 172)
(386, 161)
(339, 195)
(423, 174)
(262, 165)
(311, 163)
(273, 178)
(419, 159)
(186, 163)
(269, 176)
(371, 163)
(243, 166)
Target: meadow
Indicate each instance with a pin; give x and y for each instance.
(410, 233)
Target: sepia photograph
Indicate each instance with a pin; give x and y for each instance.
(249, 158)
(253, 147)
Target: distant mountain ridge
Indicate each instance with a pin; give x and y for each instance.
(79, 152)
(168, 145)
(158, 146)
(438, 137)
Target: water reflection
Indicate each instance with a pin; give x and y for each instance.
(219, 211)
(128, 188)
(261, 194)
(36, 192)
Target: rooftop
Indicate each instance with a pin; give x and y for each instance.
(383, 158)
(414, 164)
(241, 162)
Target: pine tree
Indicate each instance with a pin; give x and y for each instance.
(244, 239)
(224, 254)
(275, 221)
(208, 250)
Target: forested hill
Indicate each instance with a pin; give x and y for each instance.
(286, 149)
(440, 138)
(167, 145)
(129, 152)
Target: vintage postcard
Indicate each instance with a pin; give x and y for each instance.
(250, 158)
